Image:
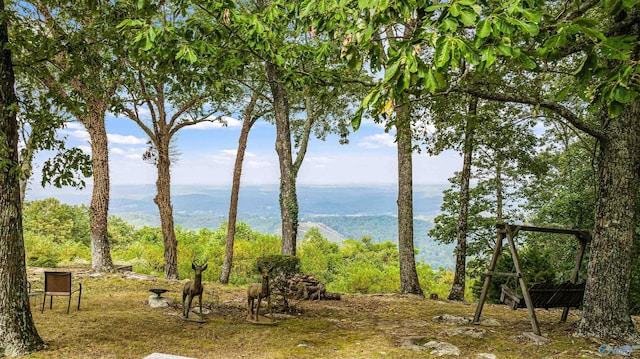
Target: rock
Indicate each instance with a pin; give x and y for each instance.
(164, 356)
(414, 342)
(490, 322)
(475, 333)
(450, 319)
(442, 348)
(196, 310)
(158, 302)
(485, 356)
(538, 340)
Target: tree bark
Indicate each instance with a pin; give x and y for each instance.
(27, 168)
(409, 283)
(457, 288)
(288, 195)
(99, 207)
(249, 120)
(165, 208)
(606, 298)
(18, 334)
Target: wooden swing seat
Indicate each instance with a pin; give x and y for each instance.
(546, 295)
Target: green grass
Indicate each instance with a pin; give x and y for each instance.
(115, 321)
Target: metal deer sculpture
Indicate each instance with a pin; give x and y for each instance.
(259, 291)
(193, 288)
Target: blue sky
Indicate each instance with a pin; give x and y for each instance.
(207, 155)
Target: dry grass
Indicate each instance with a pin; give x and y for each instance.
(116, 322)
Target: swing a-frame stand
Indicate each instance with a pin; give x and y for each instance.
(539, 296)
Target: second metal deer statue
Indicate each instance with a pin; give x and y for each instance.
(193, 288)
(258, 291)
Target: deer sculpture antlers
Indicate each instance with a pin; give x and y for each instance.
(193, 288)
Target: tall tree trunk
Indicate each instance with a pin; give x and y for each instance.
(409, 283)
(18, 334)
(99, 208)
(606, 298)
(26, 163)
(499, 192)
(249, 120)
(457, 288)
(288, 195)
(165, 208)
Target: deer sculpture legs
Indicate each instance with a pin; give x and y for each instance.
(258, 291)
(193, 288)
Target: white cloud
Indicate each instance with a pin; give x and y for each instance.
(379, 140)
(214, 123)
(85, 149)
(126, 139)
(319, 161)
(74, 126)
(232, 153)
(134, 156)
(80, 135)
(126, 153)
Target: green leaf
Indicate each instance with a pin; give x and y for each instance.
(430, 82)
(563, 93)
(529, 28)
(365, 101)
(624, 95)
(123, 23)
(181, 53)
(532, 15)
(406, 79)
(357, 119)
(433, 8)
(593, 34)
(454, 10)
(527, 62)
(152, 34)
(148, 44)
(191, 57)
(391, 71)
(615, 109)
(468, 17)
(484, 28)
(443, 51)
(503, 26)
(504, 50)
(488, 56)
(367, 4)
(448, 25)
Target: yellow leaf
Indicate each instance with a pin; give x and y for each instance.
(388, 108)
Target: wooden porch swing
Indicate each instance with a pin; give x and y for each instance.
(541, 295)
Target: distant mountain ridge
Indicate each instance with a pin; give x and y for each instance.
(338, 212)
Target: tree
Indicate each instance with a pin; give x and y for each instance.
(176, 95)
(78, 70)
(39, 120)
(250, 118)
(299, 69)
(592, 46)
(18, 335)
(457, 288)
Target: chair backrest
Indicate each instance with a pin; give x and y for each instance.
(57, 282)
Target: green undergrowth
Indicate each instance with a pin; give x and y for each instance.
(115, 321)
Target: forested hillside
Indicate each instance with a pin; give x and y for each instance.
(338, 212)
